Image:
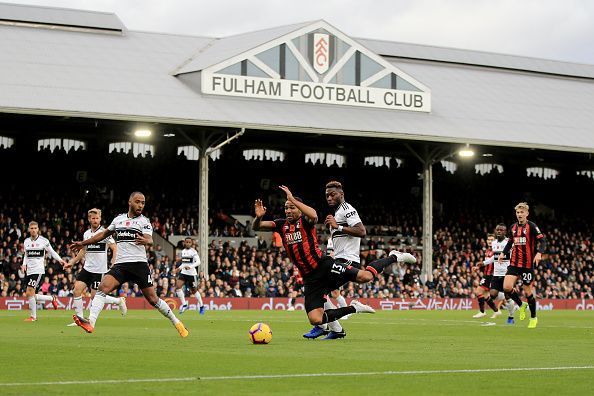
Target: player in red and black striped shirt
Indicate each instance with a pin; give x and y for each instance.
(321, 274)
(527, 244)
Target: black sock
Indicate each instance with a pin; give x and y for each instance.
(377, 266)
(491, 304)
(330, 315)
(514, 296)
(532, 305)
(292, 301)
(481, 304)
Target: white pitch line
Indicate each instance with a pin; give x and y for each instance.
(304, 375)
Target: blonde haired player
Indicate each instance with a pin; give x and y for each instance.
(526, 244)
(36, 247)
(95, 257)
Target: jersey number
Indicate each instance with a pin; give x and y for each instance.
(150, 279)
(527, 277)
(32, 283)
(337, 269)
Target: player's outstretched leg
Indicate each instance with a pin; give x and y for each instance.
(163, 307)
(107, 285)
(30, 292)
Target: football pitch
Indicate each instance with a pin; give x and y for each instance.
(410, 352)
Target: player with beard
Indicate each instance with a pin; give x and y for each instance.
(321, 274)
(134, 233)
(346, 231)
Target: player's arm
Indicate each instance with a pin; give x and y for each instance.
(55, 255)
(258, 224)
(77, 245)
(78, 257)
(355, 226)
(541, 242)
(307, 211)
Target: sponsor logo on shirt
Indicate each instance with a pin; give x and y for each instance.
(33, 253)
(96, 247)
(126, 235)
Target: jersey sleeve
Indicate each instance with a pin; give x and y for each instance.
(147, 228)
(352, 217)
(52, 252)
(196, 259)
(112, 226)
(109, 240)
(278, 225)
(537, 233)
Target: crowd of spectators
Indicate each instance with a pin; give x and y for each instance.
(463, 217)
(264, 271)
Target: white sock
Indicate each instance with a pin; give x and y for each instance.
(112, 300)
(43, 297)
(333, 326)
(181, 295)
(290, 304)
(341, 301)
(510, 306)
(77, 305)
(96, 307)
(33, 307)
(199, 297)
(501, 296)
(166, 311)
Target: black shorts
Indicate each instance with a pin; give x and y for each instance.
(190, 280)
(329, 275)
(497, 283)
(91, 279)
(346, 262)
(526, 275)
(135, 272)
(485, 282)
(34, 281)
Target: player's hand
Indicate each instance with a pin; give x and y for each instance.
(142, 240)
(187, 267)
(76, 246)
(24, 268)
(66, 264)
(537, 258)
(259, 208)
(287, 191)
(331, 222)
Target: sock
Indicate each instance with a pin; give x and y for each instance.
(500, 296)
(333, 314)
(491, 304)
(290, 303)
(481, 301)
(333, 326)
(77, 304)
(112, 300)
(510, 307)
(532, 305)
(514, 296)
(43, 297)
(341, 301)
(33, 307)
(166, 311)
(199, 297)
(181, 295)
(377, 266)
(96, 307)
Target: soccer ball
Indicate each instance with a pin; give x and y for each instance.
(260, 333)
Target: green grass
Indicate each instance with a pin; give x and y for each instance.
(145, 345)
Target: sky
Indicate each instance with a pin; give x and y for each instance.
(549, 29)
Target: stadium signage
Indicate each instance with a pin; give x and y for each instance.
(316, 64)
(275, 304)
(303, 91)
